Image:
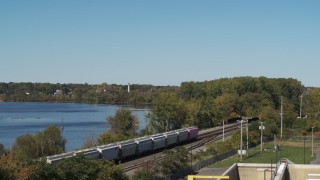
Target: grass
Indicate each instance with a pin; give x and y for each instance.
(293, 152)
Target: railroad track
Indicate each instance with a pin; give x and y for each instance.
(210, 139)
(218, 131)
(204, 138)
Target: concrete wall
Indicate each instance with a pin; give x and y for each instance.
(301, 171)
(232, 172)
(252, 171)
(249, 171)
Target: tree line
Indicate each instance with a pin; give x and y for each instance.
(208, 104)
(81, 93)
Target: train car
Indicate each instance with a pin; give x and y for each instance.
(193, 133)
(183, 135)
(128, 148)
(89, 153)
(159, 141)
(144, 145)
(171, 138)
(110, 151)
(56, 158)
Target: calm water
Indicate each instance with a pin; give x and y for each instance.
(81, 121)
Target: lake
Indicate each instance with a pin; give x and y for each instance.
(81, 121)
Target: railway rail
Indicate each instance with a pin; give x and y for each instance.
(139, 147)
(203, 138)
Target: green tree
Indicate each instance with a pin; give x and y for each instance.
(221, 147)
(168, 112)
(109, 137)
(190, 90)
(79, 168)
(11, 168)
(143, 174)
(45, 171)
(2, 150)
(227, 105)
(48, 142)
(311, 104)
(175, 160)
(25, 147)
(7, 168)
(90, 142)
(193, 108)
(111, 171)
(289, 114)
(123, 123)
(55, 143)
(205, 115)
(148, 171)
(254, 133)
(251, 103)
(270, 116)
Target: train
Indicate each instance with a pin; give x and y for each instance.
(133, 147)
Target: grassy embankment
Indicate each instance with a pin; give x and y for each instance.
(294, 151)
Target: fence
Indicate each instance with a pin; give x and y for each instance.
(199, 165)
(301, 138)
(204, 163)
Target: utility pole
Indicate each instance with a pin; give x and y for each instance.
(312, 141)
(261, 127)
(300, 105)
(281, 117)
(241, 141)
(247, 138)
(241, 145)
(304, 150)
(223, 130)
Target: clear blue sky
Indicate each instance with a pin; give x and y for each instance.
(163, 42)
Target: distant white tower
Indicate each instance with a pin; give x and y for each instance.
(128, 87)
